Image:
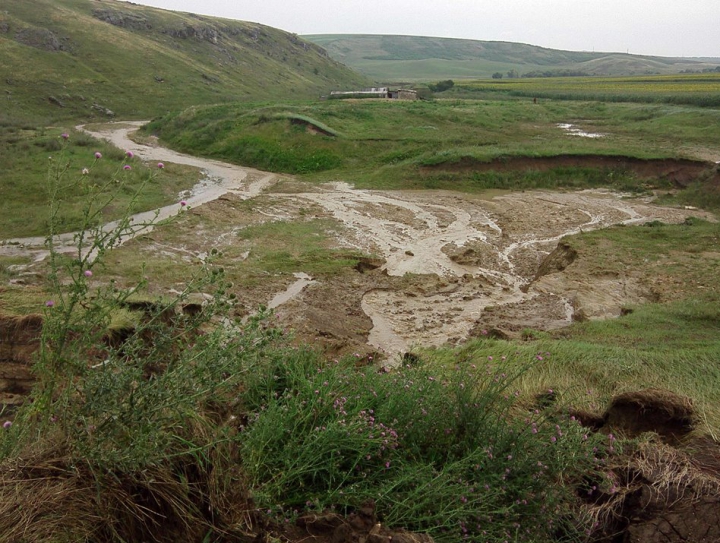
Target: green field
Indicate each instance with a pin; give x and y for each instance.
(692, 89)
(433, 144)
(392, 59)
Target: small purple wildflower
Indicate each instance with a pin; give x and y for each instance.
(183, 203)
(98, 154)
(129, 154)
(7, 424)
(127, 167)
(87, 273)
(161, 165)
(49, 303)
(64, 135)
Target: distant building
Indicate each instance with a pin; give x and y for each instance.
(375, 92)
(404, 94)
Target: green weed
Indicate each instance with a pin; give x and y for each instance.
(437, 451)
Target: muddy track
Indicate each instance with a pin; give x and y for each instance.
(218, 179)
(451, 265)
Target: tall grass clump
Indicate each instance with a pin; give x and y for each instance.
(442, 452)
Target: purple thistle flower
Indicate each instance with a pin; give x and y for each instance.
(49, 303)
(7, 424)
(183, 203)
(87, 273)
(129, 154)
(127, 167)
(64, 135)
(98, 154)
(161, 165)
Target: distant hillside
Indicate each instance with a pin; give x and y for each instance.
(69, 58)
(415, 58)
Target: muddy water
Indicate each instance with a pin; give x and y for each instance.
(484, 252)
(464, 255)
(292, 291)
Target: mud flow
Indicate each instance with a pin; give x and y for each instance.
(445, 266)
(471, 264)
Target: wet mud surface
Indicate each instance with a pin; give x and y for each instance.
(443, 266)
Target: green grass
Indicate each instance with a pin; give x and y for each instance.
(672, 346)
(383, 144)
(287, 247)
(32, 159)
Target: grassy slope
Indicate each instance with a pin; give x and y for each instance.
(69, 60)
(416, 58)
(385, 144)
(147, 61)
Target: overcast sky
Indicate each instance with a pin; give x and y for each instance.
(688, 28)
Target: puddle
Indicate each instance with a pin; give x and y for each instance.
(572, 130)
(293, 290)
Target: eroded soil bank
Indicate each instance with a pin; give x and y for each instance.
(680, 172)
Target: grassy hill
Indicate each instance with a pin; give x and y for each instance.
(416, 58)
(85, 58)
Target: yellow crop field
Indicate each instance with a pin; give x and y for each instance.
(694, 89)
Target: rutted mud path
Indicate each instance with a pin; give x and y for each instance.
(452, 265)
